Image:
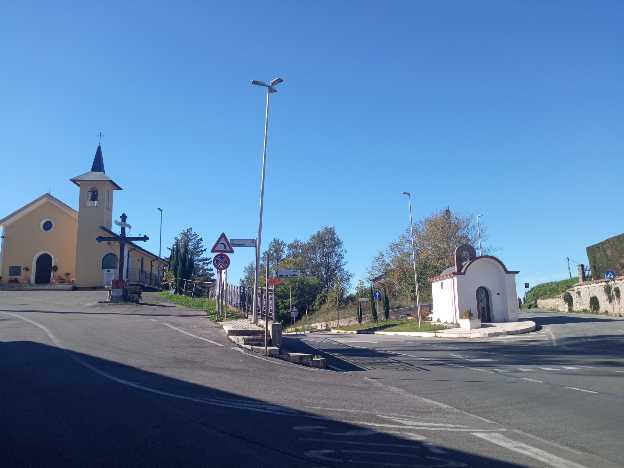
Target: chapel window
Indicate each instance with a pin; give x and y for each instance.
(15, 270)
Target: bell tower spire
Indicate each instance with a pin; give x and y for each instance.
(95, 211)
(98, 161)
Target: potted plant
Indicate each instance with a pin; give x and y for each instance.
(467, 320)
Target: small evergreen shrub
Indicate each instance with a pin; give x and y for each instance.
(567, 298)
(616, 293)
(609, 292)
(594, 304)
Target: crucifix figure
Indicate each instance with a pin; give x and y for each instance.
(123, 240)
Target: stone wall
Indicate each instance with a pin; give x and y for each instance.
(581, 295)
(555, 303)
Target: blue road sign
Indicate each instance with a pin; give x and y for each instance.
(610, 275)
(377, 296)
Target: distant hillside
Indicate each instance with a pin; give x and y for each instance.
(548, 290)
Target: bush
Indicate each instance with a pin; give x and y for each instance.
(616, 292)
(609, 292)
(567, 298)
(594, 304)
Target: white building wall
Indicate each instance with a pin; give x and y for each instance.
(513, 308)
(443, 295)
(488, 273)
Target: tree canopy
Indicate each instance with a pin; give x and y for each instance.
(436, 238)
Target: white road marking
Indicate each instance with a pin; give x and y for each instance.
(523, 369)
(570, 367)
(549, 368)
(531, 380)
(411, 422)
(620, 371)
(582, 390)
(353, 442)
(190, 334)
(552, 336)
(422, 428)
(362, 341)
(527, 450)
(241, 404)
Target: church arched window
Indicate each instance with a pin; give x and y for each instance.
(92, 197)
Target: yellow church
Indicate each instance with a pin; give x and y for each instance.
(47, 243)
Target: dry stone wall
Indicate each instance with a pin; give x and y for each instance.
(581, 294)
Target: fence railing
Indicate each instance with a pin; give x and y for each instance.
(145, 278)
(239, 297)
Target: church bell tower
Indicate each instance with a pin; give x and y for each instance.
(95, 211)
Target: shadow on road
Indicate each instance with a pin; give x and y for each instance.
(563, 319)
(62, 408)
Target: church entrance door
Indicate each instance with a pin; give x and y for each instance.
(43, 269)
(483, 305)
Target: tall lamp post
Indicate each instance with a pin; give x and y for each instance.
(479, 233)
(160, 235)
(411, 221)
(270, 89)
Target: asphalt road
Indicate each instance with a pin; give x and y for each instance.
(563, 384)
(90, 384)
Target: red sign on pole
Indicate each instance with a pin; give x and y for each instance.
(275, 281)
(221, 261)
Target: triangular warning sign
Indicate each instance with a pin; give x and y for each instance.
(222, 245)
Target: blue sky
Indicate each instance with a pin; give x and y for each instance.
(510, 109)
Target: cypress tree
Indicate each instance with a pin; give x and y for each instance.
(386, 304)
(373, 305)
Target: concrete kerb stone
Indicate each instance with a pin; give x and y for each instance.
(505, 328)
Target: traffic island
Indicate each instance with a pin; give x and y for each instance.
(487, 330)
(250, 336)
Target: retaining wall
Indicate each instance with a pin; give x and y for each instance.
(581, 296)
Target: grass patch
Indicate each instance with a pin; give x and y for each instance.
(412, 326)
(399, 325)
(203, 303)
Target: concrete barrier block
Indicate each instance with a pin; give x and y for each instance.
(276, 334)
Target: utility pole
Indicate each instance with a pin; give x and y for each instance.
(270, 89)
(411, 221)
(479, 234)
(160, 236)
(338, 303)
(266, 314)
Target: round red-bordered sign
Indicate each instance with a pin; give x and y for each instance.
(221, 261)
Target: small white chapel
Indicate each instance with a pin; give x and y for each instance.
(481, 284)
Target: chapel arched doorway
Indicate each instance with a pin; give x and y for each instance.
(43, 269)
(484, 310)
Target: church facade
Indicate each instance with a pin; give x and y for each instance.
(47, 242)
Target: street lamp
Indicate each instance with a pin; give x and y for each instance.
(409, 198)
(270, 89)
(479, 234)
(160, 236)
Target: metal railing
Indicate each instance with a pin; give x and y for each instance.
(146, 278)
